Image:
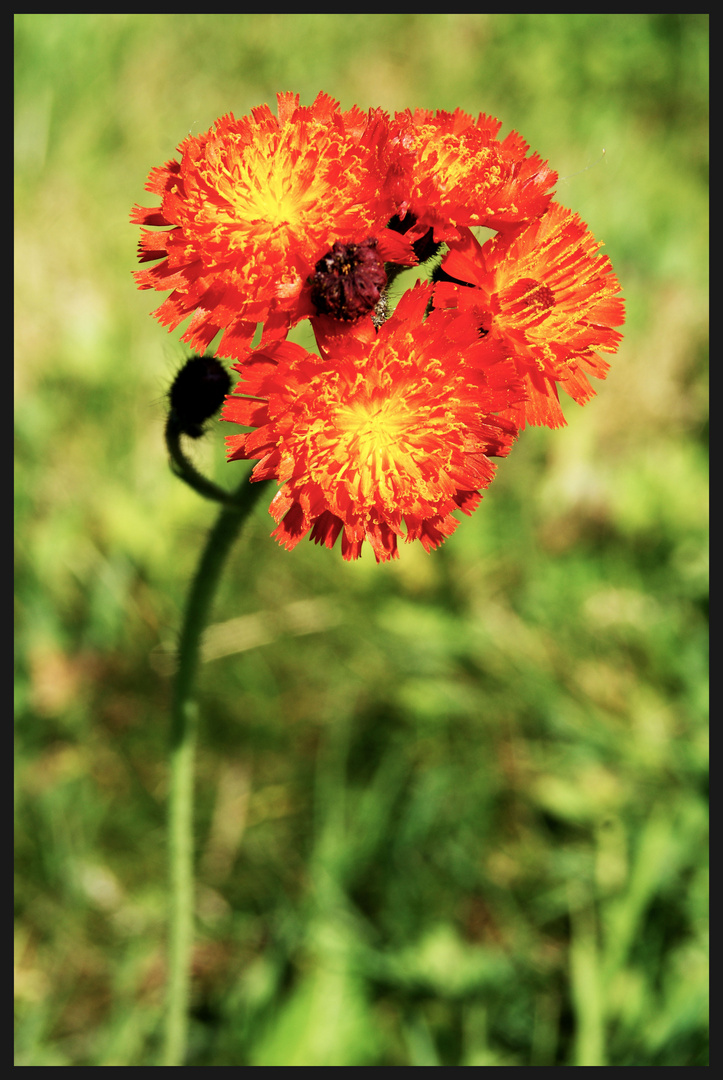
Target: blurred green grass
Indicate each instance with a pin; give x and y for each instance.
(451, 811)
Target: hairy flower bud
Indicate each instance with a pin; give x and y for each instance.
(197, 392)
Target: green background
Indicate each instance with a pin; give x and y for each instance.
(451, 810)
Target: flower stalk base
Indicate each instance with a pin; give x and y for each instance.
(184, 724)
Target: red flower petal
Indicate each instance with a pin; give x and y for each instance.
(253, 205)
(379, 439)
(548, 297)
(453, 172)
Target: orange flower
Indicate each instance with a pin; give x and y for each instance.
(254, 205)
(453, 172)
(380, 438)
(546, 295)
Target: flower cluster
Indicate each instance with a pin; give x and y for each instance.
(389, 428)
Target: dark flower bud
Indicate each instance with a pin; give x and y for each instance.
(348, 281)
(197, 392)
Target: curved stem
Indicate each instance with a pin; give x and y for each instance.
(184, 723)
(184, 470)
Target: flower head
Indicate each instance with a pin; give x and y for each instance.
(380, 438)
(253, 206)
(453, 172)
(548, 297)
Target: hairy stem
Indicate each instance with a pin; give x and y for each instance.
(184, 724)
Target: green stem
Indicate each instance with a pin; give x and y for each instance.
(187, 472)
(184, 724)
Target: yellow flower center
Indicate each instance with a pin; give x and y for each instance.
(373, 426)
(378, 440)
(269, 191)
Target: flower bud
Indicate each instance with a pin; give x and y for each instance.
(197, 392)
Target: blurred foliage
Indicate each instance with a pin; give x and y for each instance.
(451, 811)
